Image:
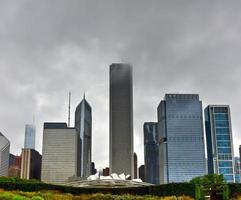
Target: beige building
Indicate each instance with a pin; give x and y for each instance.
(31, 164)
(4, 155)
(60, 153)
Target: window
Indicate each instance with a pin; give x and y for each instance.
(223, 144)
(225, 164)
(223, 137)
(221, 116)
(226, 170)
(224, 150)
(222, 123)
(222, 130)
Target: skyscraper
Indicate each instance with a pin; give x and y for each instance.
(83, 125)
(60, 153)
(237, 169)
(121, 119)
(29, 141)
(219, 141)
(4, 155)
(181, 139)
(135, 165)
(151, 155)
(30, 164)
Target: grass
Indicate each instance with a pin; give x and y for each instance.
(55, 195)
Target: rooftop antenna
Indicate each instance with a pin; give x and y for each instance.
(33, 118)
(69, 109)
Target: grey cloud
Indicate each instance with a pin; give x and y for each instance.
(50, 47)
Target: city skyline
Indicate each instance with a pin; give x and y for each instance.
(46, 55)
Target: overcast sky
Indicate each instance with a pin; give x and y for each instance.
(48, 47)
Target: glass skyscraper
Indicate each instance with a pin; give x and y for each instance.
(219, 141)
(181, 138)
(29, 141)
(151, 155)
(83, 125)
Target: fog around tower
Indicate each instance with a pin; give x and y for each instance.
(50, 47)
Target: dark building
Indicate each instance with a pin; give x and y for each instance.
(151, 155)
(135, 165)
(93, 169)
(142, 173)
(219, 141)
(14, 166)
(83, 125)
(106, 171)
(121, 119)
(240, 157)
(11, 159)
(31, 164)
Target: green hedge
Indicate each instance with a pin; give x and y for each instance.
(234, 189)
(177, 189)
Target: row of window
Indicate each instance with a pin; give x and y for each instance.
(226, 170)
(222, 123)
(225, 164)
(184, 139)
(225, 157)
(222, 130)
(224, 150)
(221, 116)
(223, 137)
(223, 144)
(185, 116)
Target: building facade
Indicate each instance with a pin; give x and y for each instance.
(4, 155)
(121, 119)
(181, 138)
(83, 125)
(219, 141)
(141, 171)
(30, 132)
(135, 165)
(30, 164)
(60, 153)
(151, 155)
(237, 169)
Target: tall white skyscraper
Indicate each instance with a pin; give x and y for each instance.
(30, 132)
(4, 155)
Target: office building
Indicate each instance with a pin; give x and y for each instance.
(29, 141)
(106, 171)
(142, 173)
(83, 125)
(30, 164)
(60, 153)
(151, 155)
(121, 119)
(14, 166)
(237, 169)
(93, 169)
(135, 165)
(219, 141)
(4, 155)
(181, 139)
